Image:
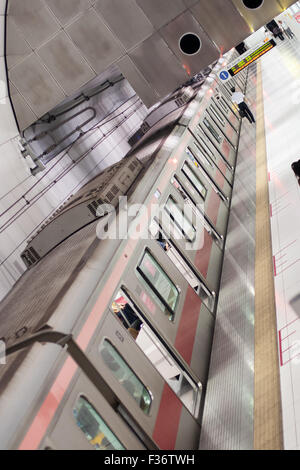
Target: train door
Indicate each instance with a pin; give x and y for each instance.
(200, 154)
(191, 235)
(159, 352)
(226, 93)
(237, 83)
(159, 289)
(126, 367)
(228, 87)
(207, 147)
(218, 139)
(241, 82)
(226, 129)
(86, 421)
(203, 194)
(233, 120)
(226, 103)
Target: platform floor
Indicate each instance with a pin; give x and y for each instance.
(228, 418)
(281, 88)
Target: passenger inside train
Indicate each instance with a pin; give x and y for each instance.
(93, 427)
(127, 316)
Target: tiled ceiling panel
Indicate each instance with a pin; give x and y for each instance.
(66, 10)
(156, 61)
(68, 67)
(17, 47)
(65, 43)
(190, 3)
(130, 25)
(36, 85)
(138, 81)
(222, 22)
(34, 19)
(161, 12)
(259, 16)
(95, 41)
(172, 33)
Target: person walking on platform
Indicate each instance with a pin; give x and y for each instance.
(286, 29)
(275, 29)
(296, 170)
(239, 99)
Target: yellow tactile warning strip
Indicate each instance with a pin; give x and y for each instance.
(267, 401)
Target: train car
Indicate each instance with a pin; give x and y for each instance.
(120, 358)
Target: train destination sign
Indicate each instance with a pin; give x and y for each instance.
(266, 47)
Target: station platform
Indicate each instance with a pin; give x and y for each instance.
(253, 393)
(281, 89)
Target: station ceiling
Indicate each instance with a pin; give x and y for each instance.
(55, 47)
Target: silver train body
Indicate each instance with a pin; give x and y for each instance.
(140, 308)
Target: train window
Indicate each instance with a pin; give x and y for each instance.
(197, 165)
(196, 212)
(194, 179)
(165, 291)
(223, 131)
(228, 89)
(217, 116)
(212, 130)
(126, 315)
(93, 427)
(223, 103)
(158, 353)
(221, 109)
(201, 156)
(125, 376)
(204, 145)
(180, 220)
(180, 262)
(180, 190)
(229, 107)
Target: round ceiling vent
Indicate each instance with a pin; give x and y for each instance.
(190, 44)
(253, 4)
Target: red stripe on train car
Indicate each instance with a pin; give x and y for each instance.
(223, 167)
(187, 328)
(185, 338)
(47, 411)
(230, 132)
(168, 419)
(225, 150)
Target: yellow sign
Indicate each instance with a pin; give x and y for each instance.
(252, 57)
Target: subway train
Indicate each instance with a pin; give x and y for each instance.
(116, 349)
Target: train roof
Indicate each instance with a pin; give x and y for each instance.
(34, 298)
